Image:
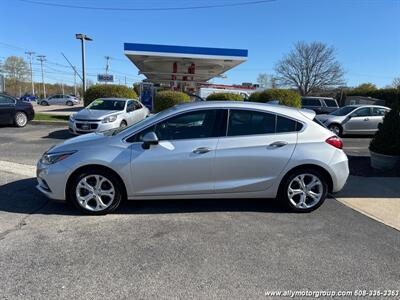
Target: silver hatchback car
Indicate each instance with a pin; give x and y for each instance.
(354, 119)
(200, 150)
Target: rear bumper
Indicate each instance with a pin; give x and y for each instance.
(339, 169)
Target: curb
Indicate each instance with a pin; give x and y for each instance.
(44, 122)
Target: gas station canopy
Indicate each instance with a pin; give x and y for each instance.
(182, 64)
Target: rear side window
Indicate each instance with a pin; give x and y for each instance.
(246, 122)
(310, 102)
(330, 103)
(287, 125)
(378, 111)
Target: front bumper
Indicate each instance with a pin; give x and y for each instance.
(52, 180)
(89, 126)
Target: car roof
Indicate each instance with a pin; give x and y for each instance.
(120, 99)
(316, 97)
(279, 109)
(366, 105)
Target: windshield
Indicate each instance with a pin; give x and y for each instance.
(100, 104)
(343, 111)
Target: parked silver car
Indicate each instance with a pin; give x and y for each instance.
(107, 113)
(200, 150)
(59, 100)
(354, 119)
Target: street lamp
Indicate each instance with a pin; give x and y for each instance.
(83, 38)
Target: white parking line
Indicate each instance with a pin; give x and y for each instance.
(16, 168)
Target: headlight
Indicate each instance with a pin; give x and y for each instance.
(52, 158)
(109, 119)
(72, 117)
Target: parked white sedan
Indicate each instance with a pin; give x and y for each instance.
(59, 100)
(106, 114)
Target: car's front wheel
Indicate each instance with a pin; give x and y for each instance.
(336, 129)
(20, 119)
(69, 103)
(96, 192)
(304, 190)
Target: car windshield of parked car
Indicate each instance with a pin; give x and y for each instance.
(100, 104)
(343, 111)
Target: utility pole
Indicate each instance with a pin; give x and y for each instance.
(75, 82)
(107, 66)
(83, 38)
(62, 88)
(125, 80)
(41, 58)
(30, 54)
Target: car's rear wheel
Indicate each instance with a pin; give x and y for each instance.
(44, 103)
(96, 192)
(304, 190)
(336, 129)
(20, 119)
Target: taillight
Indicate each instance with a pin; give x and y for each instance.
(335, 142)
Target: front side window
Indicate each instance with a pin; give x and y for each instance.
(343, 111)
(330, 103)
(362, 112)
(192, 125)
(246, 122)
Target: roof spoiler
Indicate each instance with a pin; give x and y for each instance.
(308, 113)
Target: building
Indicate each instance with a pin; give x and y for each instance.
(350, 100)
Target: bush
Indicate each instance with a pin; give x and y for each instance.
(167, 99)
(285, 97)
(387, 138)
(255, 97)
(225, 97)
(108, 91)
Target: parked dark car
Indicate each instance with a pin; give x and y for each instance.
(321, 105)
(13, 111)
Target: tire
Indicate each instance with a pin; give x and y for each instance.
(20, 119)
(85, 184)
(69, 103)
(303, 198)
(44, 103)
(336, 129)
(123, 124)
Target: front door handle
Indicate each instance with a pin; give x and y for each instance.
(366, 119)
(277, 144)
(201, 150)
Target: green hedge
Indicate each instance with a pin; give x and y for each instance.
(391, 96)
(285, 97)
(108, 91)
(225, 97)
(387, 138)
(167, 99)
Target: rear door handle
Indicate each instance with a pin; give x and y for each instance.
(201, 150)
(366, 119)
(277, 144)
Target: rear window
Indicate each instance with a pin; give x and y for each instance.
(330, 103)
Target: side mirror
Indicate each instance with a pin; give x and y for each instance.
(149, 139)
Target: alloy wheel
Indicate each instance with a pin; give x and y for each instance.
(21, 119)
(305, 191)
(95, 193)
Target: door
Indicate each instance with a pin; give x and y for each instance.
(257, 148)
(53, 100)
(360, 121)
(183, 160)
(7, 108)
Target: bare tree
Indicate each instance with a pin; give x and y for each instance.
(263, 80)
(310, 66)
(396, 83)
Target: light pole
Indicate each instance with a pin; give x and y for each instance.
(30, 54)
(41, 58)
(83, 38)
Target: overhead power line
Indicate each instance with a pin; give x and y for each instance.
(243, 3)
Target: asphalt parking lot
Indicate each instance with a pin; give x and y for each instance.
(180, 248)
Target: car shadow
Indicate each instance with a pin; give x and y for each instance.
(361, 166)
(22, 197)
(62, 134)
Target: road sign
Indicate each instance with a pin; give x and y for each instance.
(105, 78)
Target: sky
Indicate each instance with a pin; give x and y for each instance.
(365, 34)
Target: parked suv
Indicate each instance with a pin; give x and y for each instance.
(321, 105)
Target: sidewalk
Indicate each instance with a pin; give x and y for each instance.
(376, 197)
